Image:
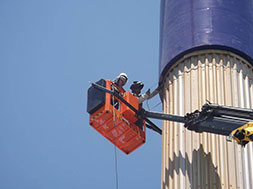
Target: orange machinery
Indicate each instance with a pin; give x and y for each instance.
(118, 126)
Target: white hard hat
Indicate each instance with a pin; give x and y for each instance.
(123, 77)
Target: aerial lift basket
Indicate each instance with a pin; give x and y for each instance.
(117, 125)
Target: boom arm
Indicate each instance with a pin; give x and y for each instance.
(221, 120)
(217, 119)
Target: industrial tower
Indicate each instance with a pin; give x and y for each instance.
(206, 50)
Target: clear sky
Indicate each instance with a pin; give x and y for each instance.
(49, 51)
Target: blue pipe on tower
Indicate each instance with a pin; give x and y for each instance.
(190, 25)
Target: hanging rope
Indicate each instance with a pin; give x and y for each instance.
(147, 101)
(115, 149)
(156, 105)
(116, 167)
(147, 104)
(154, 93)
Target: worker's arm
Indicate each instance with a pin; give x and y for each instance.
(144, 97)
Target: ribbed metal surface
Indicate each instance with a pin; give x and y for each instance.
(192, 160)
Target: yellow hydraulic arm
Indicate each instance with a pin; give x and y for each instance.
(243, 134)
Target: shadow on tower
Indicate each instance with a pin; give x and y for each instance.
(204, 176)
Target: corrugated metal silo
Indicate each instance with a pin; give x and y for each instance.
(206, 50)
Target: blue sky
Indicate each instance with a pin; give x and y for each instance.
(49, 51)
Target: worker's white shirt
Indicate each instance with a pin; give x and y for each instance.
(142, 98)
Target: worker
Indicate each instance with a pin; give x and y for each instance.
(136, 88)
(120, 81)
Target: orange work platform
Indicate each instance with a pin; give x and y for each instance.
(118, 126)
